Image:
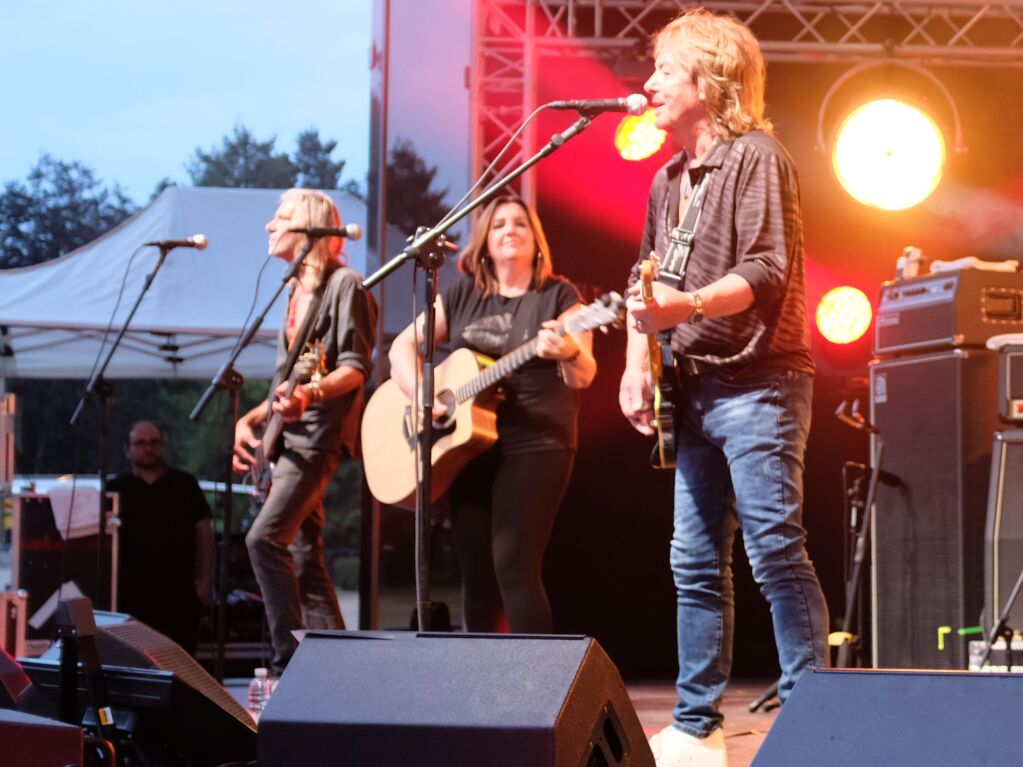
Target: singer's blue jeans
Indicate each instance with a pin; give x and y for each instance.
(740, 464)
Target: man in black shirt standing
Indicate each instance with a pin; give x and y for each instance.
(166, 541)
(327, 305)
(740, 337)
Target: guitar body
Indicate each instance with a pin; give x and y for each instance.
(388, 445)
(466, 380)
(263, 467)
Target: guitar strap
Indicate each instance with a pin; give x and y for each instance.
(672, 269)
(312, 314)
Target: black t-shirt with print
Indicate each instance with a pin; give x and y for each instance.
(538, 411)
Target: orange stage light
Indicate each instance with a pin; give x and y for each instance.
(844, 314)
(637, 137)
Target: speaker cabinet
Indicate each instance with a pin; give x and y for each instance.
(27, 740)
(158, 693)
(936, 414)
(387, 699)
(1003, 536)
(940, 719)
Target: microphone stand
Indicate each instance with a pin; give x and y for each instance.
(1002, 629)
(877, 474)
(99, 386)
(427, 250)
(230, 380)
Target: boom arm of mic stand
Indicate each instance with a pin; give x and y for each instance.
(90, 388)
(227, 369)
(421, 243)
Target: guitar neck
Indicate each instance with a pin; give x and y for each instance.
(509, 363)
(274, 423)
(607, 310)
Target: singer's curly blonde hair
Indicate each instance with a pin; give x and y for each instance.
(725, 59)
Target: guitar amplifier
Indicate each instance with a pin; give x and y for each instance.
(948, 309)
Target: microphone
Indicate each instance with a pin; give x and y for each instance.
(350, 231)
(197, 241)
(634, 104)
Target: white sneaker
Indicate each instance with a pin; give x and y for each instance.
(674, 748)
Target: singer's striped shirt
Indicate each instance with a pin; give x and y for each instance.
(750, 225)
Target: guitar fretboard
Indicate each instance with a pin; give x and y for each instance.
(509, 363)
(601, 312)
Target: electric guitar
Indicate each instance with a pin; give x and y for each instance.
(464, 383)
(663, 376)
(302, 372)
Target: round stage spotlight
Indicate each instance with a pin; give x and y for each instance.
(637, 138)
(889, 154)
(844, 314)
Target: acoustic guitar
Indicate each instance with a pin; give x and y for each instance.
(465, 382)
(663, 376)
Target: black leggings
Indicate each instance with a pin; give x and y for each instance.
(502, 512)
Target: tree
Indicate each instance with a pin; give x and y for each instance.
(242, 161)
(60, 207)
(410, 200)
(312, 159)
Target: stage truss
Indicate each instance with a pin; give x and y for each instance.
(510, 36)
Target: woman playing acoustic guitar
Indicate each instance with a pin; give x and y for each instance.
(504, 502)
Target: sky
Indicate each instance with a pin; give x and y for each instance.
(131, 88)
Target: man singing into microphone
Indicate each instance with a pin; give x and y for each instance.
(741, 342)
(327, 306)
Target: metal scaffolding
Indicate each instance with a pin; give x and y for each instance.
(510, 35)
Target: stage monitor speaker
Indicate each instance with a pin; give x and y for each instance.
(160, 692)
(936, 414)
(27, 740)
(1003, 536)
(378, 699)
(941, 719)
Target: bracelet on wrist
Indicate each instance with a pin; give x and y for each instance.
(315, 392)
(697, 314)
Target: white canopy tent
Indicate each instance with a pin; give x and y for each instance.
(53, 316)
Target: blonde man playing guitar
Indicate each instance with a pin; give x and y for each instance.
(736, 313)
(320, 416)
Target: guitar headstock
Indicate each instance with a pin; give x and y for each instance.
(649, 268)
(609, 309)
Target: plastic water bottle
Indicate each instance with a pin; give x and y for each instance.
(259, 692)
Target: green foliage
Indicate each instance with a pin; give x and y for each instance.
(312, 158)
(243, 162)
(60, 207)
(411, 201)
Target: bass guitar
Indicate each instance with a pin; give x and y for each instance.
(663, 376)
(464, 382)
(262, 470)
